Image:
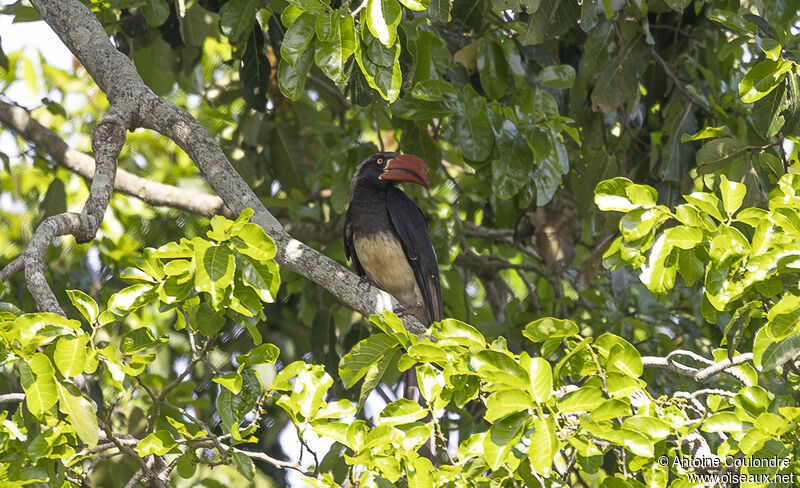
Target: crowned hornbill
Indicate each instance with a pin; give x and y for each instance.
(386, 237)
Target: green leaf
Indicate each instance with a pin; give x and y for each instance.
(71, 355)
(232, 381)
(214, 269)
(415, 5)
(560, 77)
(292, 79)
(762, 78)
(544, 446)
(473, 128)
(402, 411)
(610, 409)
(541, 376)
(502, 437)
(382, 18)
(236, 18)
(139, 339)
(620, 354)
(156, 12)
(619, 81)
(723, 422)
(374, 374)
(85, 305)
(498, 369)
(355, 364)
(684, 237)
(80, 413)
(732, 194)
(336, 43)
(511, 168)
(706, 202)
(380, 66)
(156, 443)
(38, 380)
(263, 354)
(244, 465)
(766, 114)
(778, 354)
(585, 399)
(492, 68)
(251, 240)
(550, 328)
(505, 402)
(460, 333)
(552, 19)
(439, 11)
(733, 21)
(658, 273)
(611, 195)
(718, 153)
(431, 383)
(652, 427)
(298, 37)
(130, 298)
(263, 278)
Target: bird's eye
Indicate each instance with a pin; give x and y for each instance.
(380, 160)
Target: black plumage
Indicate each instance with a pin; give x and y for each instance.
(386, 236)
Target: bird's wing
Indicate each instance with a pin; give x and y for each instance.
(411, 228)
(349, 247)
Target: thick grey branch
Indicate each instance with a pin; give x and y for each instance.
(20, 121)
(117, 77)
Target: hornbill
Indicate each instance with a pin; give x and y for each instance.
(386, 237)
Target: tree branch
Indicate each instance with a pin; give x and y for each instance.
(20, 121)
(116, 76)
(12, 398)
(699, 375)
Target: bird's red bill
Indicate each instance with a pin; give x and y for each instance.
(407, 168)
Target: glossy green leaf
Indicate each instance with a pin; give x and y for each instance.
(559, 77)
(550, 328)
(85, 305)
(505, 402)
(298, 37)
(497, 368)
(79, 412)
(584, 399)
(732, 194)
(474, 130)
(71, 355)
(213, 269)
(380, 66)
(157, 443)
(503, 435)
(355, 364)
(236, 18)
(762, 78)
(541, 376)
(336, 43)
(37, 378)
(402, 411)
(382, 18)
(492, 68)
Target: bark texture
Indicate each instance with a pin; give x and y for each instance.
(133, 105)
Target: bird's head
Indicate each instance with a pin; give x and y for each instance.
(387, 168)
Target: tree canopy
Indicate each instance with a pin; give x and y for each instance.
(614, 203)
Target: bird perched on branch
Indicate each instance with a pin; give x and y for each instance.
(386, 236)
